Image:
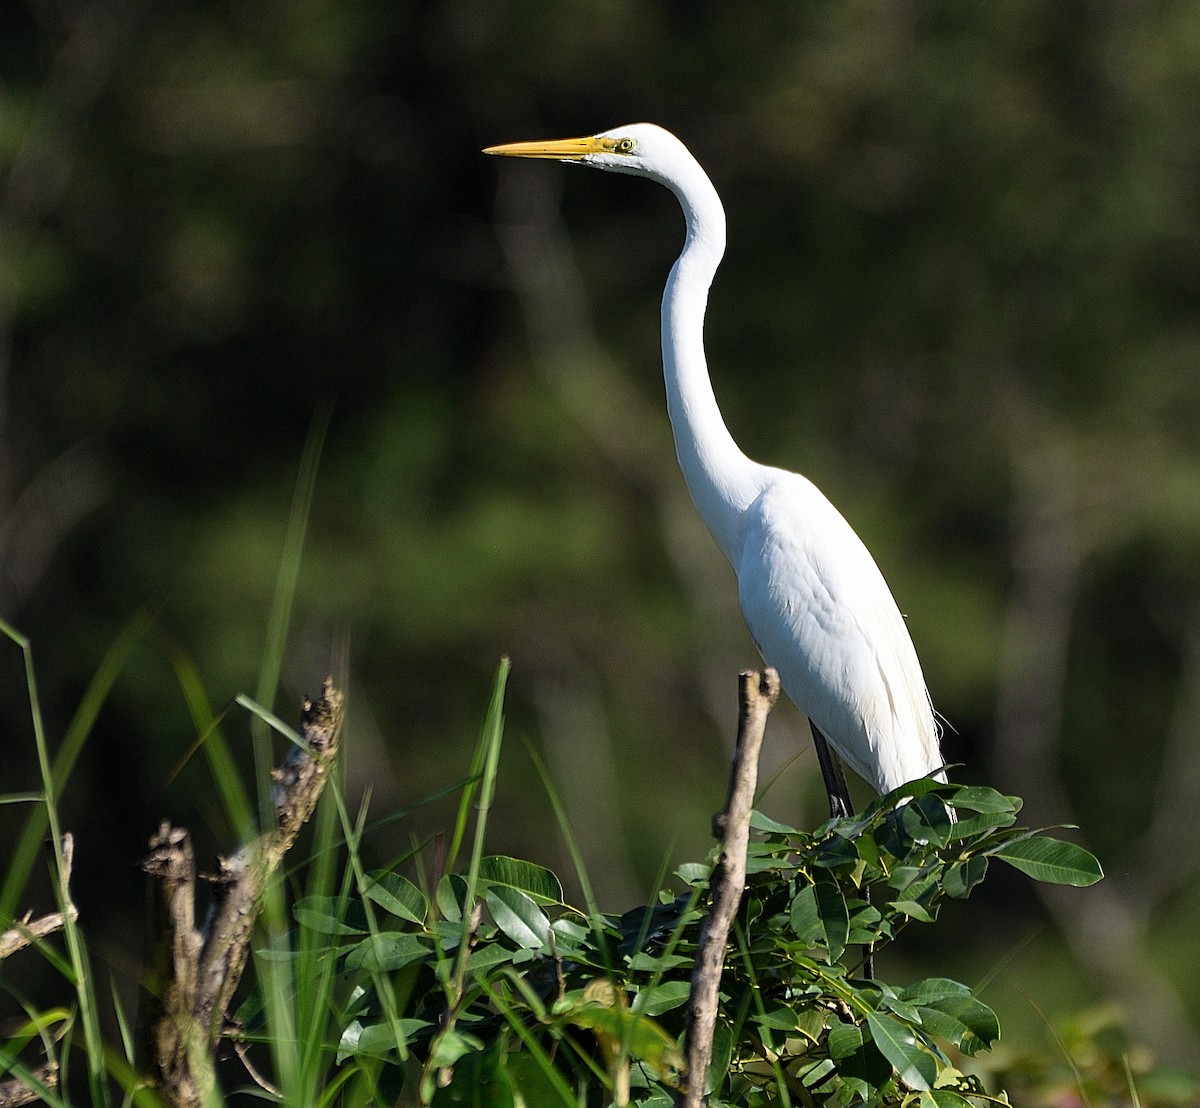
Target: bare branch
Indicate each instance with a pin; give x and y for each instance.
(194, 973)
(28, 930)
(758, 694)
(244, 1054)
(18, 1090)
(28, 1089)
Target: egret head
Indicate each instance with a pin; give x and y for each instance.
(642, 149)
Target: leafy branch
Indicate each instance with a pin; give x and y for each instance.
(507, 987)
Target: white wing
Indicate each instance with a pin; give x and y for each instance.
(823, 616)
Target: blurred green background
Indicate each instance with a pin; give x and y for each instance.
(962, 294)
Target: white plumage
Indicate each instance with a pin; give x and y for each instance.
(821, 613)
(813, 597)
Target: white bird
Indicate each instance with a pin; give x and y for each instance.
(815, 601)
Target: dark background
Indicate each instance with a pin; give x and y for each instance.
(962, 294)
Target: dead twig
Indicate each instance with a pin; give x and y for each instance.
(194, 972)
(758, 694)
(28, 930)
(17, 1090)
(243, 1053)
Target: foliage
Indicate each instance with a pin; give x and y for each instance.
(545, 993)
(481, 978)
(477, 983)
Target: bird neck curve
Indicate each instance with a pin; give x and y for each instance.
(722, 481)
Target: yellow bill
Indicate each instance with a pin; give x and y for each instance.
(562, 149)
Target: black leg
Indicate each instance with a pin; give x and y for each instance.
(840, 804)
(840, 807)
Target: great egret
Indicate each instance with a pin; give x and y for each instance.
(816, 604)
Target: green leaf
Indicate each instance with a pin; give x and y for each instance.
(450, 896)
(914, 883)
(868, 849)
(1052, 860)
(898, 1006)
(934, 988)
(621, 1030)
(868, 926)
(487, 956)
(913, 910)
(962, 878)
(901, 877)
(804, 918)
(979, 798)
(914, 1065)
(649, 963)
(836, 851)
(480, 1080)
(536, 882)
(919, 787)
(722, 1056)
(656, 999)
(449, 934)
(835, 919)
(569, 936)
(330, 915)
(519, 917)
(844, 1040)
(972, 827)
(780, 1018)
(966, 1022)
(760, 822)
(450, 1045)
(693, 873)
(376, 1040)
(943, 1098)
(389, 951)
(925, 820)
(398, 895)
(861, 1068)
(810, 1022)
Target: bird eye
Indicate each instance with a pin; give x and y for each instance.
(626, 146)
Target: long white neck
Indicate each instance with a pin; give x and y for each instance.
(722, 480)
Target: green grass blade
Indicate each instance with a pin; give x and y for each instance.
(22, 798)
(564, 826)
(1134, 1099)
(24, 855)
(594, 916)
(490, 740)
(234, 797)
(271, 720)
(46, 1095)
(285, 590)
(72, 936)
(315, 969)
(474, 778)
(123, 1026)
(382, 981)
(545, 1064)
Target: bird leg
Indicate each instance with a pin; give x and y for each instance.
(840, 804)
(840, 807)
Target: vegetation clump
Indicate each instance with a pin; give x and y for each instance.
(528, 995)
